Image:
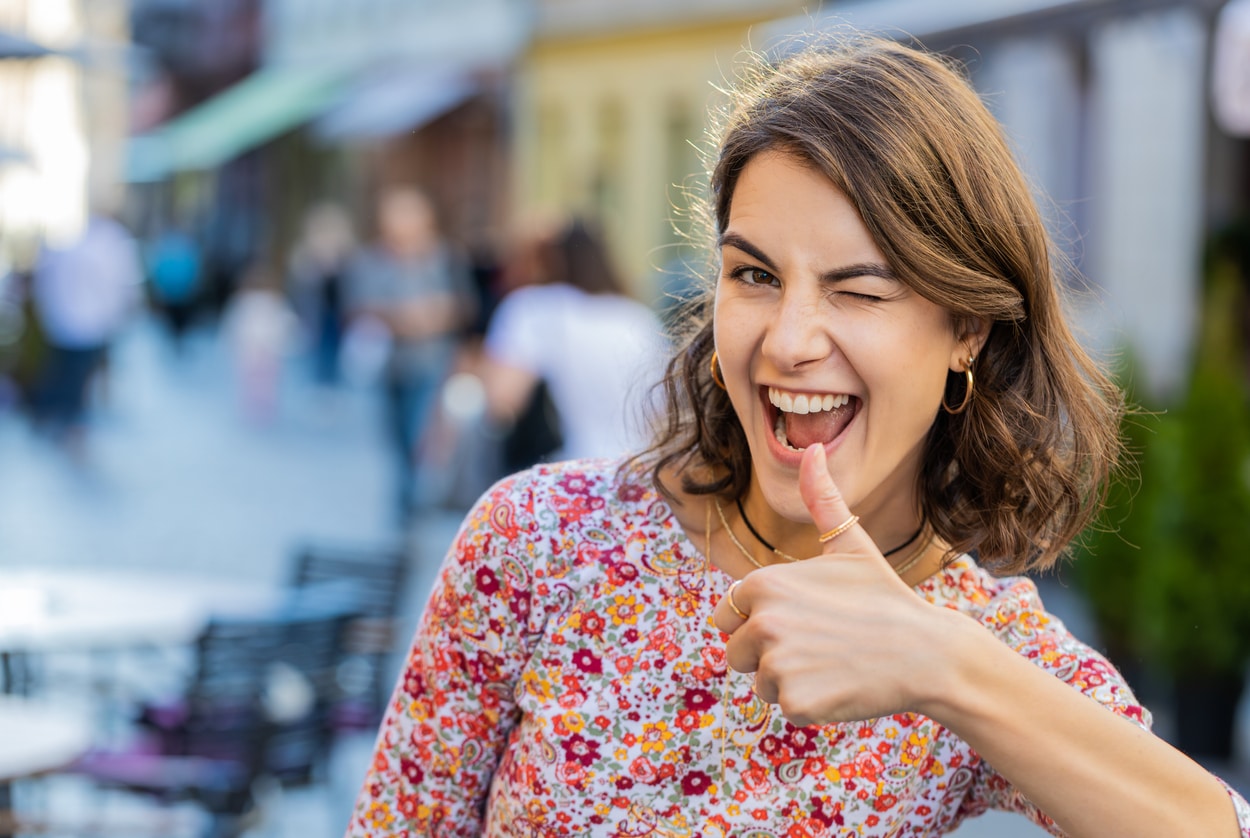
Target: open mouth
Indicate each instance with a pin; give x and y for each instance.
(802, 419)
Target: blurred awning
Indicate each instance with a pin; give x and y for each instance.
(263, 106)
(13, 45)
(394, 102)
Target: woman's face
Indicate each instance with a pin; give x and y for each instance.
(818, 343)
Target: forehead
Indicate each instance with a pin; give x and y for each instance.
(784, 202)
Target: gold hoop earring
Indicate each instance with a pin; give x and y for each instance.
(968, 390)
(717, 379)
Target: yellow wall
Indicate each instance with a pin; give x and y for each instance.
(604, 125)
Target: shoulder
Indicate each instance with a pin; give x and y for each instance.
(559, 498)
(1011, 608)
(1008, 606)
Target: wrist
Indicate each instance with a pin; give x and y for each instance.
(953, 684)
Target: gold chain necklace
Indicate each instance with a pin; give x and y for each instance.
(741, 549)
(906, 565)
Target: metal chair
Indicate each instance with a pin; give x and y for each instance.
(256, 706)
(369, 583)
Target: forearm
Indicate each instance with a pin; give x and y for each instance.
(1094, 773)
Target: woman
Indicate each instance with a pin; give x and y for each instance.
(771, 624)
(575, 329)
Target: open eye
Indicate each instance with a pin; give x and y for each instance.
(753, 276)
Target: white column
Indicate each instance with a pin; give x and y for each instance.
(1146, 228)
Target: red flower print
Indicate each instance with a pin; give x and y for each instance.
(773, 748)
(800, 739)
(407, 805)
(519, 605)
(568, 670)
(755, 778)
(642, 770)
(486, 581)
(869, 766)
(575, 484)
(697, 699)
(572, 773)
(714, 658)
(578, 748)
(631, 493)
(411, 771)
(695, 782)
(587, 661)
(621, 573)
(592, 624)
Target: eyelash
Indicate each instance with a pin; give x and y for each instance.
(740, 275)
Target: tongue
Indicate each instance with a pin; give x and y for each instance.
(804, 429)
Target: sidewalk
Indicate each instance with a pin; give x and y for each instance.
(174, 479)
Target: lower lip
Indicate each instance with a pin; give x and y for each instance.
(783, 454)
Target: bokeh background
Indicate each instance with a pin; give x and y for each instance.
(211, 459)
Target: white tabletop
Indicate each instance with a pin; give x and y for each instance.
(72, 609)
(39, 738)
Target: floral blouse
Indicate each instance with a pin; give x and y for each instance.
(567, 679)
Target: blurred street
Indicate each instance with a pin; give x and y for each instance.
(174, 480)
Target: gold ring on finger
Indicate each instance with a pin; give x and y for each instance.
(732, 603)
(839, 529)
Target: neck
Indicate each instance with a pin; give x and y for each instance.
(902, 551)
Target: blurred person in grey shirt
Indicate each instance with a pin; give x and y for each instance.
(411, 283)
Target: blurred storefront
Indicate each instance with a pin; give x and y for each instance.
(63, 87)
(343, 98)
(612, 109)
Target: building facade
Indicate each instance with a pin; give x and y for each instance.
(612, 112)
(63, 93)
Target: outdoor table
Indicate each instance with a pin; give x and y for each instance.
(36, 739)
(86, 610)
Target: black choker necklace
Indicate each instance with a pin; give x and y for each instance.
(764, 541)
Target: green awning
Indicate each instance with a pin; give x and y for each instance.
(265, 105)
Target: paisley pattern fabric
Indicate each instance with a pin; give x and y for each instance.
(567, 679)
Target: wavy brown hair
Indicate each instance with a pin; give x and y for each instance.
(902, 133)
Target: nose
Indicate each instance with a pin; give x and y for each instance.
(799, 334)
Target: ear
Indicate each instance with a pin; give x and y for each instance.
(971, 332)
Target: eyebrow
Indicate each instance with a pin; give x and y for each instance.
(836, 275)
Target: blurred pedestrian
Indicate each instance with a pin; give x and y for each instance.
(261, 329)
(574, 331)
(83, 295)
(412, 283)
(175, 266)
(317, 270)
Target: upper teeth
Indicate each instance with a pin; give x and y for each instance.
(805, 402)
